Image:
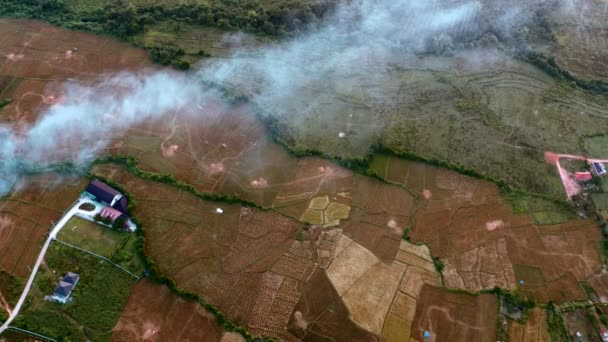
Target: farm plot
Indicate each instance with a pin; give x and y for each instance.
(114, 245)
(244, 261)
(39, 50)
(154, 313)
(26, 216)
(95, 305)
(497, 117)
(483, 244)
(36, 57)
(453, 316)
(534, 330)
(381, 297)
(597, 147)
(193, 39)
(320, 314)
(229, 152)
(583, 321)
(581, 39)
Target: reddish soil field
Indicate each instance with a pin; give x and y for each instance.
(322, 316)
(380, 213)
(450, 316)
(36, 57)
(244, 261)
(27, 214)
(466, 223)
(229, 152)
(534, 330)
(154, 313)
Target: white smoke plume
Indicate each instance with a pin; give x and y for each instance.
(362, 34)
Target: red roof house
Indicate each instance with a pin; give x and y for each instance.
(111, 213)
(583, 176)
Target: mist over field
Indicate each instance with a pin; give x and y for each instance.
(362, 35)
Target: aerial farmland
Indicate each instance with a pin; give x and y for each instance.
(303, 170)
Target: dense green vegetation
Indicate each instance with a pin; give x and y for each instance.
(169, 56)
(123, 18)
(127, 18)
(11, 286)
(555, 323)
(544, 211)
(5, 102)
(98, 299)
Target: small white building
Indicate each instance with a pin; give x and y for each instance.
(598, 168)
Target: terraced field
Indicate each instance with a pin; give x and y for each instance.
(485, 244)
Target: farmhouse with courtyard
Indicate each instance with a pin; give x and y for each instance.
(64, 288)
(114, 204)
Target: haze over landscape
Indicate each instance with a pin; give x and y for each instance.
(316, 170)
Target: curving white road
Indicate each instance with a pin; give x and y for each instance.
(58, 226)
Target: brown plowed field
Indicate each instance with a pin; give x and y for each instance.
(232, 259)
(321, 316)
(466, 223)
(450, 316)
(154, 313)
(36, 57)
(26, 216)
(534, 330)
(247, 261)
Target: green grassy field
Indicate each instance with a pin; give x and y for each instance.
(114, 245)
(96, 303)
(597, 146)
(544, 211)
(91, 236)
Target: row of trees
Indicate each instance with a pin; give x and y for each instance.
(123, 19)
(549, 65)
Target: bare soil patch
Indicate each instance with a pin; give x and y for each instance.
(153, 313)
(26, 216)
(534, 330)
(323, 314)
(484, 243)
(451, 316)
(244, 261)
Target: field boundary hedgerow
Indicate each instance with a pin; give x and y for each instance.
(549, 65)
(152, 268)
(361, 165)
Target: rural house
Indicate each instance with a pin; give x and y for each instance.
(64, 288)
(104, 193)
(598, 168)
(583, 176)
